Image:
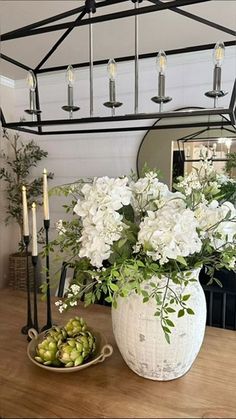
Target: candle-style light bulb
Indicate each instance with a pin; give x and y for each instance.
(219, 53)
(228, 143)
(112, 69)
(161, 61)
(70, 76)
(31, 80)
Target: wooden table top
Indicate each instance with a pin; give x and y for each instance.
(110, 389)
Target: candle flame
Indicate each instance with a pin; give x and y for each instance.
(45, 171)
(33, 205)
(23, 188)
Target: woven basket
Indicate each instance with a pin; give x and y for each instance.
(18, 271)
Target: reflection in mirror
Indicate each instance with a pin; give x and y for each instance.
(216, 145)
(174, 151)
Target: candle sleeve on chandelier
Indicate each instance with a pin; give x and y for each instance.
(45, 195)
(25, 212)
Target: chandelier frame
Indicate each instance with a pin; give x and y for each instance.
(44, 26)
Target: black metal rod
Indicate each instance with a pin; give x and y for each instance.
(60, 40)
(130, 129)
(17, 32)
(118, 118)
(224, 309)
(29, 323)
(35, 262)
(110, 16)
(2, 117)
(232, 105)
(61, 287)
(38, 105)
(205, 21)
(14, 62)
(185, 50)
(30, 131)
(48, 325)
(198, 19)
(211, 308)
(186, 160)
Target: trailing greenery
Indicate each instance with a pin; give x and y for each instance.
(16, 172)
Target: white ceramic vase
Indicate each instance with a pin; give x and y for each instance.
(141, 340)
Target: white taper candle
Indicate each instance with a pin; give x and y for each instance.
(45, 195)
(34, 231)
(25, 213)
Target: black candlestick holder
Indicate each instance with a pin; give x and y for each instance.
(35, 262)
(48, 325)
(29, 324)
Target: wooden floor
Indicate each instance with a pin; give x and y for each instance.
(110, 389)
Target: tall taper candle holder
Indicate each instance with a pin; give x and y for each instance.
(35, 262)
(48, 325)
(29, 324)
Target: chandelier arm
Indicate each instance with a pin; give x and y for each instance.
(189, 137)
(184, 50)
(14, 62)
(10, 35)
(118, 129)
(198, 18)
(17, 33)
(108, 17)
(128, 117)
(60, 40)
(136, 59)
(91, 65)
(232, 105)
(38, 115)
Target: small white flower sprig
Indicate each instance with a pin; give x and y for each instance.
(131, 235)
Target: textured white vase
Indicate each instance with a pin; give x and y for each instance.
(141, 340)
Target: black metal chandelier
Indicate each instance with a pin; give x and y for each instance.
(89, 9)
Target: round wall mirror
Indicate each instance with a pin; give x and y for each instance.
(175, 150)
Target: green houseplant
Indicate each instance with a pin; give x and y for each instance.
(15, 172)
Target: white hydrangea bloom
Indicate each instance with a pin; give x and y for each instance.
(168, 233)
(149, 194)
(102, 224)
(210, 218)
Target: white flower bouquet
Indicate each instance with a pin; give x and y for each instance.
(126, 233)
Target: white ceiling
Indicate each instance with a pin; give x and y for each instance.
(166, 30)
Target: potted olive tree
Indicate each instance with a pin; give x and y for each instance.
(15, 172)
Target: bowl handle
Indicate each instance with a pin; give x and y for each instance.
(106, 351)
(32, 333)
